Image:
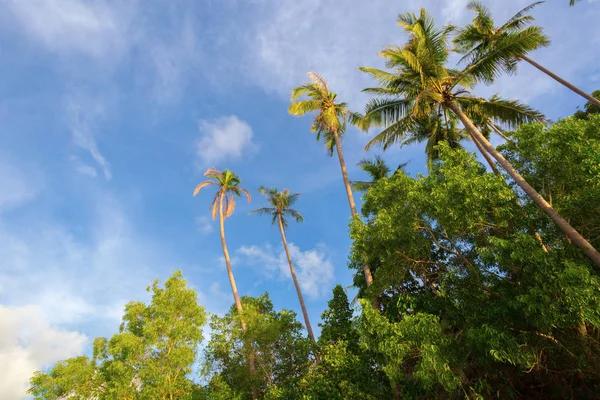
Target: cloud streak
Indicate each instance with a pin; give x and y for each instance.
(313, 267)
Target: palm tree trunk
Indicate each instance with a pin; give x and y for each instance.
(499, 132)
(338, 145)
(295, 279)
(236, 296)
(567, 229)
(489, 160)
(557, 78)
(485, 155)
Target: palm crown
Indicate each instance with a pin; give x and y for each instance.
(377, 169)
(281, 203)
(495, 50)
(330, 116)
(420, 87)
(228, 184)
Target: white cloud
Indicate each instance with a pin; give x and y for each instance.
(82, 168)
(313, 268)
(225, 138)
(82, 113)
(205, 225)
(27, 343)
(93, 27)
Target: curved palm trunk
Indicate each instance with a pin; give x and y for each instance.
(298, 290)
(557, 78)
(338, 145)
(485, 155)
(567, 229)
(236, 296)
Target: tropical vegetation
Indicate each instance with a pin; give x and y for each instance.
(472, 281)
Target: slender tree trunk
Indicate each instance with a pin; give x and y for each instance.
(485, 155)
(499, 132)
(567, 229)
(295, 279)
(338, 145)
(489, 160)
(236, 296)
(557, 78)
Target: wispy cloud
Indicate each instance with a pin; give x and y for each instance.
(95, 28)
(205, 225)
(224, 139)
(82, 114)
(313, 267)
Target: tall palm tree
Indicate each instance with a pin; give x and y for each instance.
(420, 84)
(330, 124)
(228, 187)
(498, 49)
(280, 209)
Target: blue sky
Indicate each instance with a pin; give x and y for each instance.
(110, 111)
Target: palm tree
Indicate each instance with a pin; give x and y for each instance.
(281, 203)
(377, 169)
(421, 85)
(228, 187)
(498, 49)
(329, 123)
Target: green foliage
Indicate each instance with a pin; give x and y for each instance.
(150, 358)
(345, 370)
(589, 108)
(280, 352)
(562, 163)
(337, 320)
(470, 299)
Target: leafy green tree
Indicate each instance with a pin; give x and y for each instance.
(563, 163)
(474, 306)
(228, 185)
(421, 85)
(498, 49)
(346, 370)
(589, 108)
(330, 122)
(150, 358)
(281, 203)
(337, 320)
(282, 355)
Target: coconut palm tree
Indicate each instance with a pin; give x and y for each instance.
(420, 84)
(330, 124)
(280, 209)
(228, 187)
(498, 49)
(377, 169)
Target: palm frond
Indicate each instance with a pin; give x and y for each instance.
(264, 210)
(202, 185)
(520, 19)
(300, 108)
(295, 214)
(511, 113)
(385, 111)
(394, 133)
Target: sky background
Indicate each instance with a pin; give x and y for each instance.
(110, 111)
